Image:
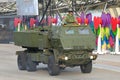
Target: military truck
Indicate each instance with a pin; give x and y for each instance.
(57, 46)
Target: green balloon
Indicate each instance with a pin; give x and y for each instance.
(115, 32)
(98, 31)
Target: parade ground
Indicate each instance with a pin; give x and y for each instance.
(106, 67)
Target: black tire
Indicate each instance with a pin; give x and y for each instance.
(53, 68)
(30, 66)
(86, 68)
(21, 61)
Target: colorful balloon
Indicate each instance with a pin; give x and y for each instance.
(114, 24)
(103, 17)
(89, 17)
(82, 17)
(98, 31)
(108, 20)
(96, 22)
(92, 26)
(111, 41)
(115, 33)
(78, 19)
(107, 32)
(102, 32)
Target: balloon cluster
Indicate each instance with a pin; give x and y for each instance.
(19, 24)
(84, 19)
(106, 26)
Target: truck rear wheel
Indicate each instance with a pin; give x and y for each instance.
(86, 68)
(21, 61)
(53, 68)
(30, 66)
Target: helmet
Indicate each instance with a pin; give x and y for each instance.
(70, 10)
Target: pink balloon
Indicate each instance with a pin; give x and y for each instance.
(111, 41)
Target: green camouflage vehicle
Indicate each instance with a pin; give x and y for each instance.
(57, 46)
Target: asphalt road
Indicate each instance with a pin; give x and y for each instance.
(106, 67)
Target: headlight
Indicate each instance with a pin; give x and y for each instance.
(66, 58)
(91, 57)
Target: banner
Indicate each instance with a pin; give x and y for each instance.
(27, 7)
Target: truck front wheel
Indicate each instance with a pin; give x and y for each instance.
(86, 68)
(21, 61)
(53, 68)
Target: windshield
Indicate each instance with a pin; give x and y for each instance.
(83, 31)
(79, 31)
(69, 31)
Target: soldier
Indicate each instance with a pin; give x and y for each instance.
(70, 18)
